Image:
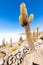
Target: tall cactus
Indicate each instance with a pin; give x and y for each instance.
(25, 21)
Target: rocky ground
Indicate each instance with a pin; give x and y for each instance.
(24, 55)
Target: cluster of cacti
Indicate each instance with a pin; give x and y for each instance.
(36, 34)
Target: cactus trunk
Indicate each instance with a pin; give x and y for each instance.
(27, 32)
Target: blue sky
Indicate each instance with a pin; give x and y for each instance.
(10, 11)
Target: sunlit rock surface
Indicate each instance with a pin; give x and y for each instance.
(24, 55)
